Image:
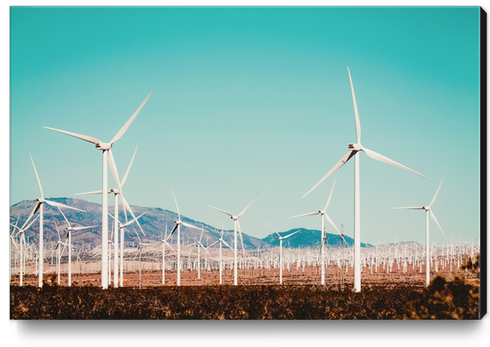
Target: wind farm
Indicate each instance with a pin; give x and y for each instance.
(261, 130)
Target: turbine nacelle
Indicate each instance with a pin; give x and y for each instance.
(355, 147)
(103, 146)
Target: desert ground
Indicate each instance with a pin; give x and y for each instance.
(87, 274)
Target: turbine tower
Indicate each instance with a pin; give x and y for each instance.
(39, 207)
(220, 241)
(236, 225)
(428, 211)
(115, 191)
(280, 249)
(324, 217)
(69, 230)
(106, 152)
(177, 225)
(354, 148)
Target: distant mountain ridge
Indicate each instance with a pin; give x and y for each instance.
(154, 223)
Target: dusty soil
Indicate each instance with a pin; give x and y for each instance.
(335, 276)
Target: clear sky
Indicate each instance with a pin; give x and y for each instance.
(254, 100)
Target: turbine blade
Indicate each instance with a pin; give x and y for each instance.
(225, 212)
(111, 215)
(133, 220)
(125, 203)
(81, 228)
(211, 245)
(202, 231)
(32, 222)
(129, 167)
(94, 192)
(69, 226)
(187, 225)
(273, 229)
(327, 218)
(78, 136)
(285, 237)
(382, 158)
(241, 237)
(306, 214)
(248, 205)
(435, 220)
(409, 208)
(38, 181)
(330, 196)
(176, 205)
(128, 123)
(168, 244)
(173, 229)
(341, 162)
(437, 191)
(226, 244)
(112, 165)
(356, 114)
(204, 248)
(53, 203)
(34, 210)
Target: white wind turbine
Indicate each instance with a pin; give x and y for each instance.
(236, 224)
(177, 225)
(164, 242)
(106, 152)
(324, 216)
(220, 240)
(115, 191)
(140, 249)
(59, 252)
(39, 207)
(199, 245)
(280, 249)
(428, 211)
(122, 227)
(354, 148)
(69, 230)
(22, 242)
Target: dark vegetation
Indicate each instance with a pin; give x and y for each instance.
(443, 299)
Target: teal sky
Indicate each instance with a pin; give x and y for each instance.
(254, 100)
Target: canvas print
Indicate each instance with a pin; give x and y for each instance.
(281, 163)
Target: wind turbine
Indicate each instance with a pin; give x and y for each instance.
(116, 192)
(324, 216)
(428, 211)
(39, 207)
(354, 148)
(106, 152)
(236, 224)
(164, 242)
(280, 249)
(220, 240)
(122, 227)
(22, 242)
(69, 229)
(177, 225)
(199, 245)
(59, 252)
(140, 249)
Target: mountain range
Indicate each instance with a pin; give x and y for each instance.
(156, 222)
